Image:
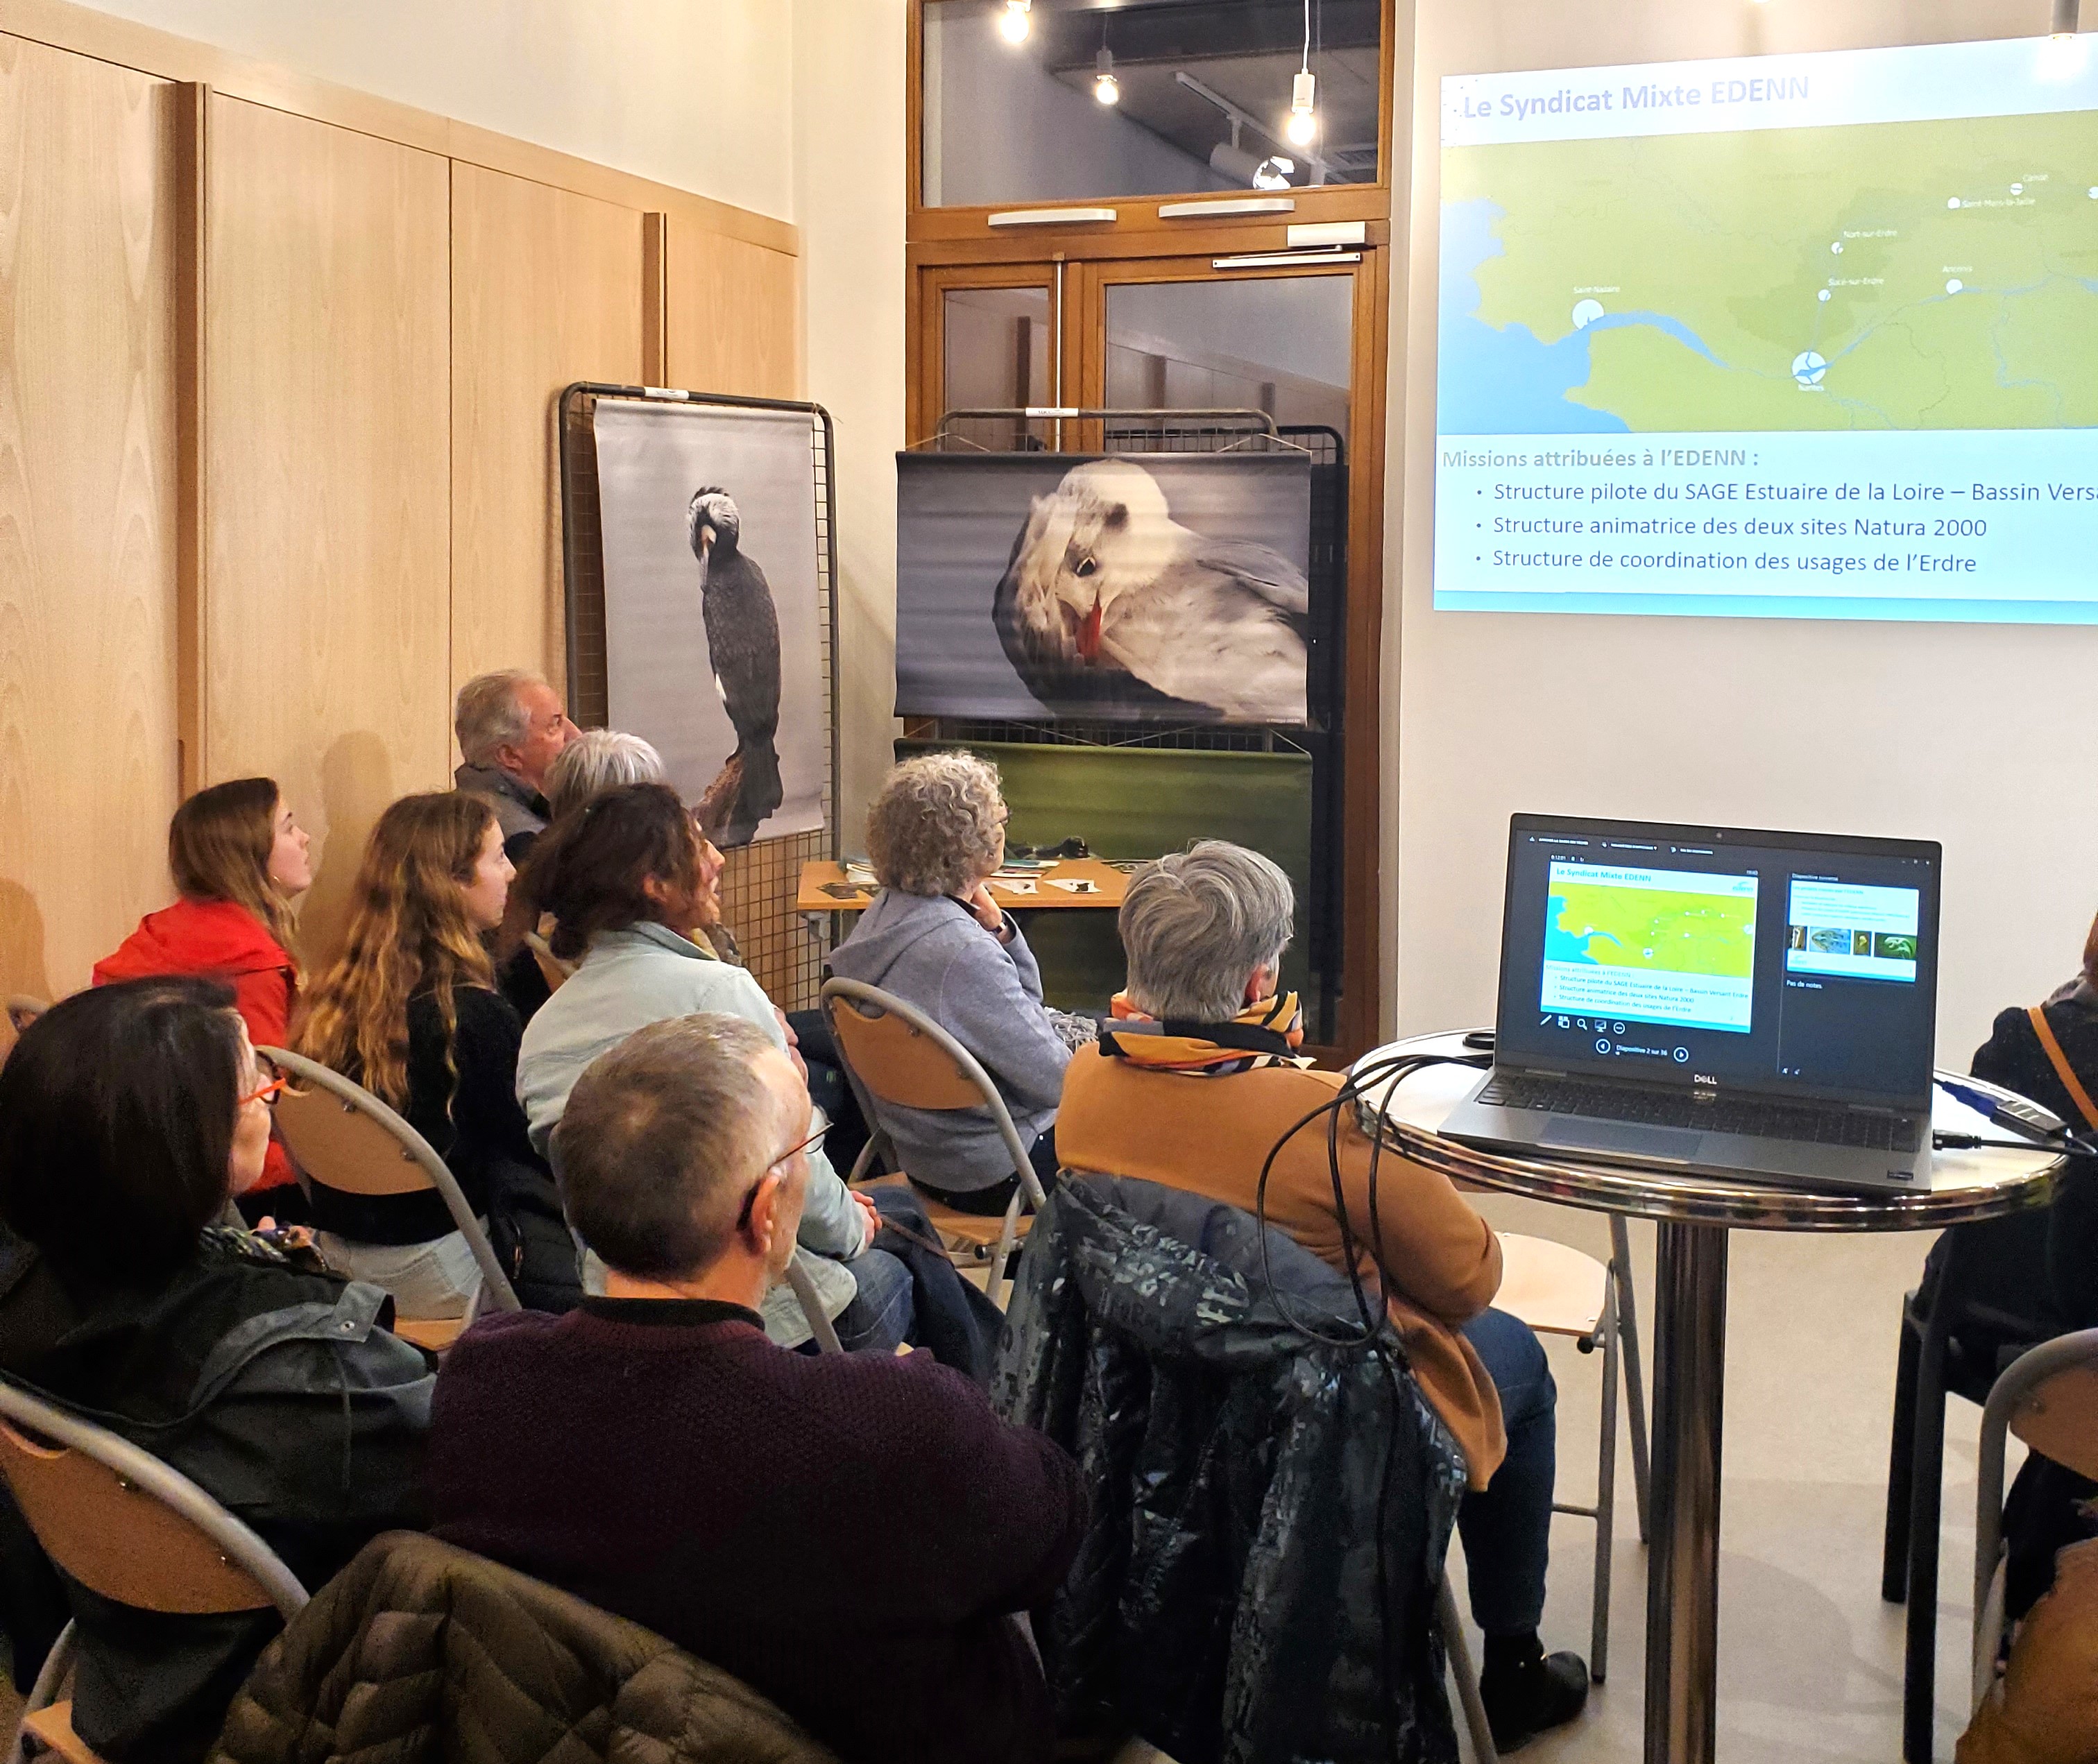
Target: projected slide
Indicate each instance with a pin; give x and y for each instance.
(1860, 933)
(1799, 335)
(1674, 947)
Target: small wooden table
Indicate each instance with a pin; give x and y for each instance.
(1109, 884)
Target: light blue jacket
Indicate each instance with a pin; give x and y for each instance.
(930, 951)
(645, 974)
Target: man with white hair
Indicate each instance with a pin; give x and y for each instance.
(510, 728)
(1198, 1085)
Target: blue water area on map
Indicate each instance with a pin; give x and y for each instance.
(1507, 381)
(1561, 944)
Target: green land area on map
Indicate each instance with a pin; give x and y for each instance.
(1654, 929)
(1730, 235)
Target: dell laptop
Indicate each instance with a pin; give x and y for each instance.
(1714, 1000)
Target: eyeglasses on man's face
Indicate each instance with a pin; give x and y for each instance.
(821, 1123)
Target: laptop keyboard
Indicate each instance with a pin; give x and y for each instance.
(1675, 1108)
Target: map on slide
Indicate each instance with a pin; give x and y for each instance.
(1707, 934)
(1882, 275)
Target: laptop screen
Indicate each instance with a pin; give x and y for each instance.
(1716, 957)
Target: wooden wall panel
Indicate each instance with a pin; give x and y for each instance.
(546, 289)
(326, 617)
(88, 760)
(733, 313)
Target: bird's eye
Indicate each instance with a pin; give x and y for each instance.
(1087, 566)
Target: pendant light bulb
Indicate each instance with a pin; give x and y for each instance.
(1013, 26)
(1107, 89)
(1303, 124)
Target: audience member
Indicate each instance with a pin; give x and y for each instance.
(2040, 1267)
(410, 1011)
(628, 879)
(847, 1534)
(510, 728)
(1197, 1083)
(2045, 1709)
(596, 760)
(936, 938)
(128, 1115)
(239, 857)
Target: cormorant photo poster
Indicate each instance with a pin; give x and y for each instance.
(1158, 588)
(711, 626)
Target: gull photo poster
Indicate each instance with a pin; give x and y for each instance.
(1159, 588)
(711, 612)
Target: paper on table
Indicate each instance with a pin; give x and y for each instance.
(1075, 885)
(1014, 887)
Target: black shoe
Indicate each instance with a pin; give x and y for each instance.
(1522, 1701)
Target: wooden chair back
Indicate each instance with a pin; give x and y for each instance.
(133, 1530)
(340, 1147)
(2058, 1417)
(897, 1061)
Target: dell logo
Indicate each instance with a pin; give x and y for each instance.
(1702, 1078)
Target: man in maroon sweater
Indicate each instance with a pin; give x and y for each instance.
(848, 1533)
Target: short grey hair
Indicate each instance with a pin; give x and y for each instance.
(599, 759)
(1196, 924)
(488, 714)
(660, 1138)
(937, 826)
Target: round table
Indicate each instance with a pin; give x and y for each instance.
(1694, 1214)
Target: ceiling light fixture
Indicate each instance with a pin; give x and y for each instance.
(1303, 124)
(1107, 89)
(1013, 26)
(2065, 20)
(1273, 172)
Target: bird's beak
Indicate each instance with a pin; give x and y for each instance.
(706, 537)
(1089, 635)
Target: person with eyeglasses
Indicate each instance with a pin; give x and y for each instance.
(849, 1534)
(130, 1115)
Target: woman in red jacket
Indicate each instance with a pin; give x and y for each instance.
(239, 856)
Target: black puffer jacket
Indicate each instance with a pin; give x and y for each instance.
(1270, 1515)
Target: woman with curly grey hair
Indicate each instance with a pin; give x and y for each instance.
(935, 938)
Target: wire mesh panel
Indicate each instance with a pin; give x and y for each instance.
(783, 950)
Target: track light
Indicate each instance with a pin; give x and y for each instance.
(1106, 87)
(2065, 19)
(1013, 26)
(1273, 172)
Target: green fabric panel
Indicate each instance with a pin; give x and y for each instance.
(1141, 802)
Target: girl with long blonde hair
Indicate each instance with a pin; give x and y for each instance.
(410, 1011)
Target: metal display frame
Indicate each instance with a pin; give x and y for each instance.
(784, 951)
(1223, 429)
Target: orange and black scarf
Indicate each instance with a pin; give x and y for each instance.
(1267, 1032)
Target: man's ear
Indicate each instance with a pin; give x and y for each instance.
(765, 1211)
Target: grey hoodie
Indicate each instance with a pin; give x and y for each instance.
(930, 951)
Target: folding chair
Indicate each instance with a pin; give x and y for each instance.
(125, 1525)
(894, 1053)
(2048, 1396)
(1558, 1291)
(346, 1139)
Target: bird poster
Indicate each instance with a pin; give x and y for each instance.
(1154, 588)
(712, 621)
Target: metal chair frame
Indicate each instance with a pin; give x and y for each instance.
(495, 1287)
(2013, 1388)
(855, 994)
(1616, 1333)
(140, 1471)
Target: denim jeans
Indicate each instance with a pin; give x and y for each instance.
(1507, 1526)
(439, 1278)
(879, 1317)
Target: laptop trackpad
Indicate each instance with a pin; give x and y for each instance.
(1675, 1143)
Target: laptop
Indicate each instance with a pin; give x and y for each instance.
(1715, 1000)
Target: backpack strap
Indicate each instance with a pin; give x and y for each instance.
(2059, 1061)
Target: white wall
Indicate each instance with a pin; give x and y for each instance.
(694, 93)
(849, 199)
(1974, 735)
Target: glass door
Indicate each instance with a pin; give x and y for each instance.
(990, 338)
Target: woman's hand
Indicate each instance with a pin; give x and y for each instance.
(985, 909)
